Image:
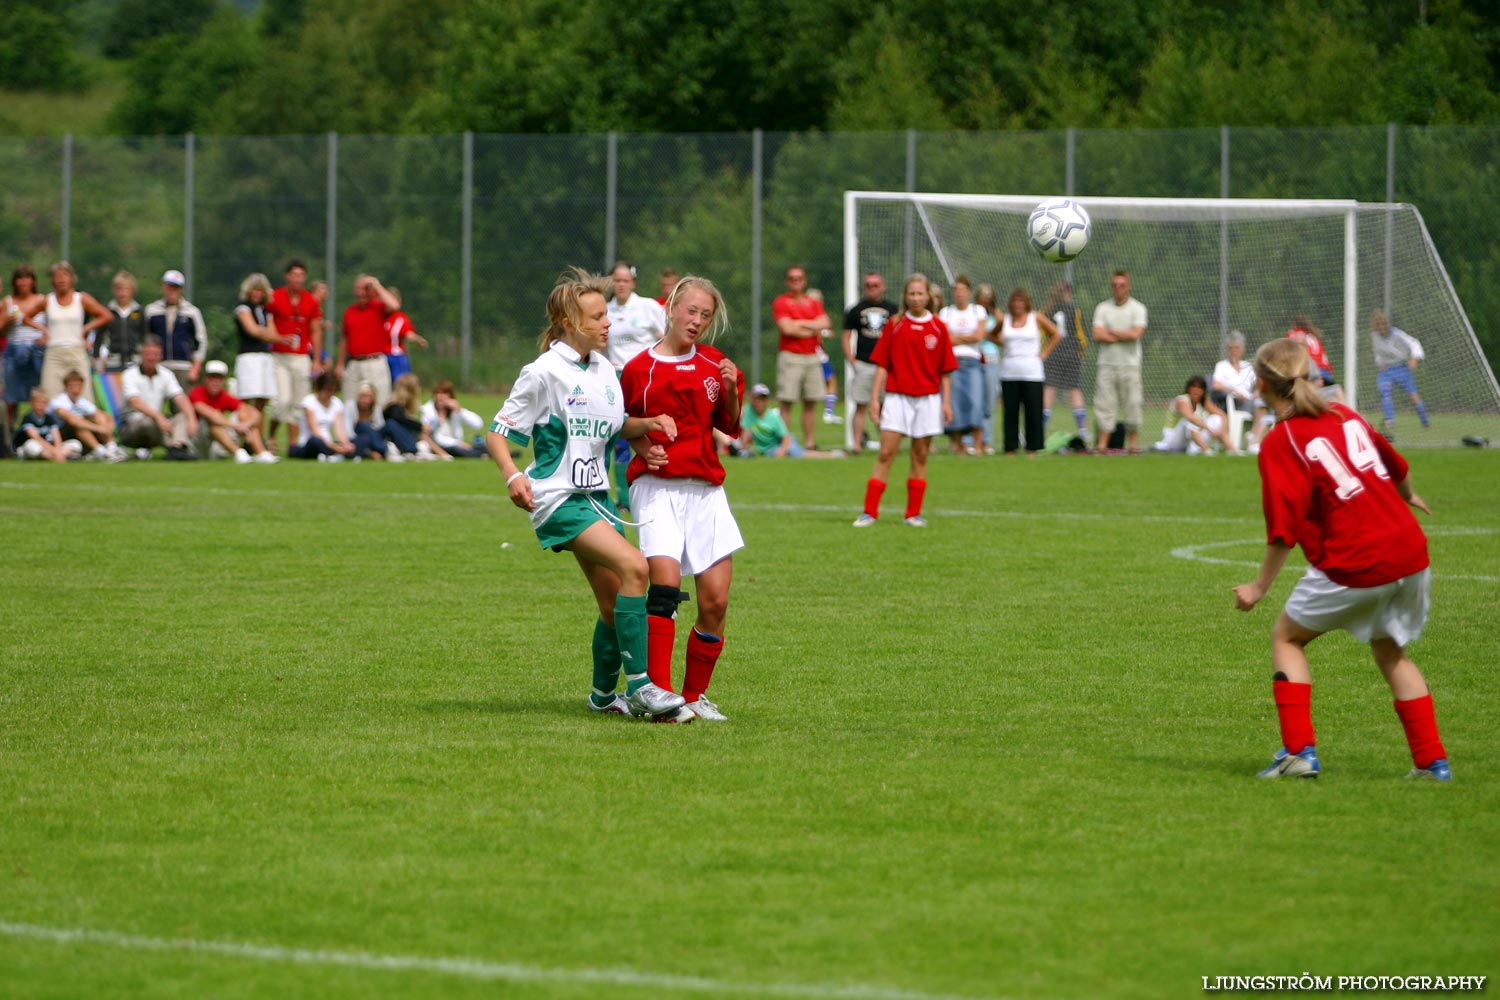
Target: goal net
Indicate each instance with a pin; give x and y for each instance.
(1204, 267)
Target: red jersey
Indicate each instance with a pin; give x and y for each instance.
(397, 329)
(1328, 484)
(786, 307)
(689, 390)
(1314, 347)
(916, 354)
(223, 402)
(364, 329)
(294, 320)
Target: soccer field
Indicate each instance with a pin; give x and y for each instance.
(309, 730)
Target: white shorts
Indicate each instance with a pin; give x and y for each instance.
(1395, 611)
(686, 520)
(255, 375)
(914, 416)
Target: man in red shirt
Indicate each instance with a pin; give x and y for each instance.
(297, 316)
(225, 420)
(363, 347)
(801, 321)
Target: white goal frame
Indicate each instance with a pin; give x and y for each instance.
(1227, 209)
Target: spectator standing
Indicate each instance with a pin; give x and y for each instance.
(800, 322)
(1397, 354)
(225, 420)
(863, 325)
(915, 359)
(1064, 369)
(989, 350)
(635, 323)
(666, 280)
(254, 364)
(68, 329)
(1022, 369)
(85, 422)
(179, 325)
(451, 426)
(399, 329)
(39, 435)
(964, 319)
(23, 350)
(298, 317)
(363, 347)
(118, 345)
(149, 387)
(1119, 325)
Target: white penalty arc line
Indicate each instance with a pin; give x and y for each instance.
(790, 508)
(469, 968)
(1195, 553)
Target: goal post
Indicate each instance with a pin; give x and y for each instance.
(1204, 267)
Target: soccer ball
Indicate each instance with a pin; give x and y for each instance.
(1058, 230)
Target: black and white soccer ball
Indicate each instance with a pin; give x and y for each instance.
(1058, 230)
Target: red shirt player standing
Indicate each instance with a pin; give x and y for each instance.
(1334, 486)
(914, 359)
(685, 522)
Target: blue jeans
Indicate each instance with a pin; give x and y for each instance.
(369, 439)
(22, 370)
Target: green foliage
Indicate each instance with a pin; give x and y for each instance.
(177, 83)
(133, 22)
(37, 46)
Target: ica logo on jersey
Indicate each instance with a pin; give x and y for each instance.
(589, 427)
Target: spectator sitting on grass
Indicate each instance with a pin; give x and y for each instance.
(226, 423)
(84, 422)
(370, 440)
(149, 387)
(40, 433)
(320, 429)
(764, 432)
(404, 426)
(449, 423)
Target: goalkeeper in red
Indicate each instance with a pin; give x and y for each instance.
(686, 525)
(1334, 486)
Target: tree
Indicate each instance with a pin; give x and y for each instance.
(36, 47)
(134, 22)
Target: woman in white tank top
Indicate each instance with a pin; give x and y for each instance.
(67, 331)
(1021, 368)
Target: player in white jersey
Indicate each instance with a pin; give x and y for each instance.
(635, 323)
(567, 404)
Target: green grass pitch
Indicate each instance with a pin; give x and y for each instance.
(309, 730)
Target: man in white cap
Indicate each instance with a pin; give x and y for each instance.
(180, 327)
(226, 421)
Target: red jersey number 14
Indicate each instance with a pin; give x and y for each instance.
(1362, 454)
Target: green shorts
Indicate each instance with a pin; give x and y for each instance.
(573, 517)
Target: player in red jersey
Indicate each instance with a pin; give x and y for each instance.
(685, 522)
(1334, 486)
(914, 360)
(1310, 337)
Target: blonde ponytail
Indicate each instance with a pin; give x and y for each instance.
(1284, 365)
(565, 304)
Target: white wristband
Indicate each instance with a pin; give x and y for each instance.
(513, 477)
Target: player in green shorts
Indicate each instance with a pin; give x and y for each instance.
(567, 404)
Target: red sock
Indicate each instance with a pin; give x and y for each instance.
(1294, 709)
(874, 490)
(702, 653)
(661, 636)
(1421, 730)
(916, 491)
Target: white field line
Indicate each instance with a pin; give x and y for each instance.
(468, 968)
(1195, 553)
(850, 508)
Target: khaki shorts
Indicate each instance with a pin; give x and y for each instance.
(293, 383)
(862, 385)
(799, 378)
(1117, 396)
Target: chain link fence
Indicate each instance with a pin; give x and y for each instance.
(473, 228)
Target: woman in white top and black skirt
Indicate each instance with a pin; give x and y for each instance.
(1021, 368)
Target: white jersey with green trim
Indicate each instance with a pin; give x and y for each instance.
(567, 408)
